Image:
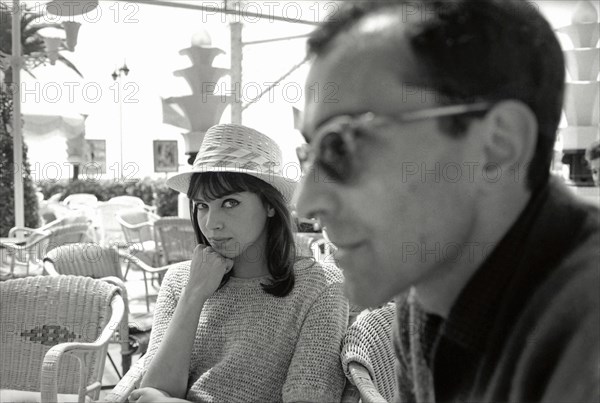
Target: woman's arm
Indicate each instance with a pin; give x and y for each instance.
(151, 395)
(169, 369)
(316, 373)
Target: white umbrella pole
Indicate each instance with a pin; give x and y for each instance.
(16, 127)
(236, 71)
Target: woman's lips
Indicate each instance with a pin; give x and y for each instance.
(219, 242)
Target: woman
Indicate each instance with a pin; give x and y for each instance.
(245, 320)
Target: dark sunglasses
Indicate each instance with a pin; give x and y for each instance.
(334, 147)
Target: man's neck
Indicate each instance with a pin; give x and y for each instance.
(439, 291)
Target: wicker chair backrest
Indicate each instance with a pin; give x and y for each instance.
(368, 341)
(86, 259)
(39, 312)
(176, 238)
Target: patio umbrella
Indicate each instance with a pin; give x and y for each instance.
(69, 128)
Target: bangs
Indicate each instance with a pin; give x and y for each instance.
(215, 185)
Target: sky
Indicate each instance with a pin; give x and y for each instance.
(149, 38)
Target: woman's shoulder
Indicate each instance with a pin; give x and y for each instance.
(177, 275)
(310, 272)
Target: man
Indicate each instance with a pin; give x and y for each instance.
(592, 156)
(431, 128)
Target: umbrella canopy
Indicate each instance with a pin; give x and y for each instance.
(70, 128)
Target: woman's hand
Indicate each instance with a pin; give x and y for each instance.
(145, 395)
(206, 271)
(148, 395)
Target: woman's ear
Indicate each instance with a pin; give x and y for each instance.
(270, 211)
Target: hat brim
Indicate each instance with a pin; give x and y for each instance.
(285, 186)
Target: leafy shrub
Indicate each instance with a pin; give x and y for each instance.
(152, 192)
(166, 200)
(7, 195)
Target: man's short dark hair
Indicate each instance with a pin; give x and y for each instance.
(473, 50)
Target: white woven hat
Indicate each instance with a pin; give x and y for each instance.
(235, 148)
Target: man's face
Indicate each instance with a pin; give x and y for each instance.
(412, 205)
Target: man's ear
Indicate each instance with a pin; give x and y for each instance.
(511, 135)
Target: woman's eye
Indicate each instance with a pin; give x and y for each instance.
(201, 206)
(229, 203)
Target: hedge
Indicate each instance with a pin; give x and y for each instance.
(7, 166)
(154, 192)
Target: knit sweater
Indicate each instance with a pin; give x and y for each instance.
(251, 346)
(526, 327)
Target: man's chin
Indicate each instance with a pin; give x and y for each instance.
(363, 295)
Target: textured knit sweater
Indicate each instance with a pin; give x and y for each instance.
(526, 327)
(254, 347)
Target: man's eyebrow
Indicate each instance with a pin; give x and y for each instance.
(325, 121)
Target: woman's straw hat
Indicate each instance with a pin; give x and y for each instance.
(235, 148)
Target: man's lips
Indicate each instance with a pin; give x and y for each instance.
(340, 243)
(347, 246)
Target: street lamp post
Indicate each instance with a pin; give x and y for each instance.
(116, 75)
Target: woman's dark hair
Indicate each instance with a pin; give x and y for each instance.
(281, 250)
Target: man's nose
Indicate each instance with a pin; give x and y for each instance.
(315, 197)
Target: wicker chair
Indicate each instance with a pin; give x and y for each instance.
(92, 260)
(55, 333)
(77, 200)
(313, 244)
(109, 229)
(368, 356)
(132, 201)
(138, 227)
(24, 260)
(176, 239)
(69, 234)
(66, 220)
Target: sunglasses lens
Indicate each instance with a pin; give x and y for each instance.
(336, 156)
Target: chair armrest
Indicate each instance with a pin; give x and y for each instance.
(14, 230)
(144, 266)
(49, 380)
(127, 384)
(151, 209)
(50, 269)
(360, 376)
(351, 394)
(136, 227)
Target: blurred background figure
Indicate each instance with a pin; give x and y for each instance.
(592, 156)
